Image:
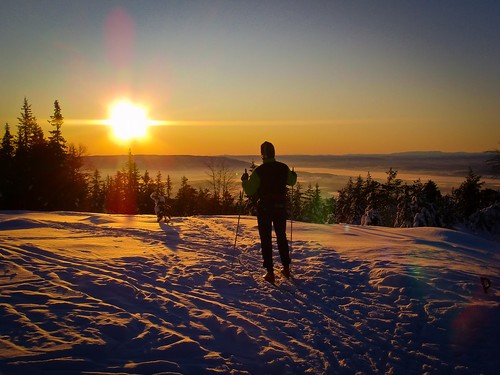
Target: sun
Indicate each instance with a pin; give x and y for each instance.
(128, 120)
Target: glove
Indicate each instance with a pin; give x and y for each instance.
(244, 176)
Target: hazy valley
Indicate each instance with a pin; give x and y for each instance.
(331, 172)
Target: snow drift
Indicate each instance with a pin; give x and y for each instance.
(89, 293)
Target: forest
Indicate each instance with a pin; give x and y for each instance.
(47, 174)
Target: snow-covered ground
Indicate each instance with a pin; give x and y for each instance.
(90, 293)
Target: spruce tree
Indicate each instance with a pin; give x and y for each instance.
(358, 202)
(7, 187)
(76, 179)
(185, 200)
(131, 186)
(168, 185)
(96, 193)
(467, 196)
(7, 149)
(56, 140)
(30, 134)
(344, 203)
(146, 188)
(296, 207)
(30, 162)
(330, 206)
(389, 194)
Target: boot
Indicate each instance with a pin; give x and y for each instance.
(269, 277)
(286, 272)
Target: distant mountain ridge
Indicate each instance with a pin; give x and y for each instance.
(161, 162)
(331, 172)
(446, 163)
(453, 163)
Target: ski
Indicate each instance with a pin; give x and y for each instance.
(285, 284)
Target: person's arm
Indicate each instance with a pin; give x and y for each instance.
(251, 185)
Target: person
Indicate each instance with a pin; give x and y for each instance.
(161, 207)
(268, 182)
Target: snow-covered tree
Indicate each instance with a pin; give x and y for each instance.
(406, 207)
(486, 220)
(467, 196)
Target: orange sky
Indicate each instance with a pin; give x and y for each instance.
(328, 78)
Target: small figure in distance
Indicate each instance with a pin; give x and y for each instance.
(161, 207)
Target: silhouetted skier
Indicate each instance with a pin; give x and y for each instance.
(268, 183)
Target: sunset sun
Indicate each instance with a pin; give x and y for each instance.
(128, 120)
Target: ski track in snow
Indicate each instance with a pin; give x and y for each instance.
(88, 293)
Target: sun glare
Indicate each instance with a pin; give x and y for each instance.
(128, 120)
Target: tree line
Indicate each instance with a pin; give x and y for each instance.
(396, 204)
(46, 173)
(39, 173)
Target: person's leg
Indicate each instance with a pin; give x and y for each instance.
(279, 221)
(265, 227)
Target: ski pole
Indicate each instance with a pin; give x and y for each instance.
(237, 228)
(291, 221)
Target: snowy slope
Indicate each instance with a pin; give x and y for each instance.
(123, 294)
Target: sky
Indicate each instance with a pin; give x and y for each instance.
(221, 77)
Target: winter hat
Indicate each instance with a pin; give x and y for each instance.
(267, 150)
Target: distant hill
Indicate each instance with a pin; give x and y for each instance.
(154, 163)
(331, 172)
(451, 164)
(443, 163)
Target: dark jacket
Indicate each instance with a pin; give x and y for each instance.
(268, 182)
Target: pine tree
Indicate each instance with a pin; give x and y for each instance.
(7, 187)
(372, 202)
(389, 196)
(204, 201)
(168, 186)
(56, 140)
(165, 189)
(467, 196)
(330, 206)
(7, 150)
(131, 188)
(75, 179)
(146, 188)
(58, 194)
(30, 134)
(30, 160)
(313, 210)
(406, 207)
(185, 200)
(358, 202)
(96, 193)
(296, 208)
(115, 193)
(344, 203)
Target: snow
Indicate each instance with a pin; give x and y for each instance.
(98, 293)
